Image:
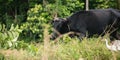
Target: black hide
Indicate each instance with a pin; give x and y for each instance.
(88, 23)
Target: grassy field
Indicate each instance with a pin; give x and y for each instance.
(72, 49)
(65, 48)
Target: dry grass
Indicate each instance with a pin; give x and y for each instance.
(14, 54)
(46, 44)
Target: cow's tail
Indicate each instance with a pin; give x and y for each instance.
(115, 12)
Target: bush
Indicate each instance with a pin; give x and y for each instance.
(43, 14)
(9, 37)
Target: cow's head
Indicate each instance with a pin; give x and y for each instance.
(59, 27)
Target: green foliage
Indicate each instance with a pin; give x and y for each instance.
(64, 8)
(13, 12)
(30, 48)
(73, 5)
(36, 18)
(43, 14)
(102, 4)
(9, 37)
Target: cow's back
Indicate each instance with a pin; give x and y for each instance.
(94, 21)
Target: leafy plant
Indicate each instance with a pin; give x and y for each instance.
(9, 37)
(101, 4)
(43, 14)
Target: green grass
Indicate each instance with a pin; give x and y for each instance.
(65, 48)
(73, 49)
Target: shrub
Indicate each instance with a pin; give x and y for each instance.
(9, 37)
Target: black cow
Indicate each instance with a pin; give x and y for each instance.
(88, 22)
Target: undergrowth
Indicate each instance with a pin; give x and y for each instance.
(65, 48)
(87, 49)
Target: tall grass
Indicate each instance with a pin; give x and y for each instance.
(66, 48)
(88, 49)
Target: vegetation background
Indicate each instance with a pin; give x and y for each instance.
(25, 27)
